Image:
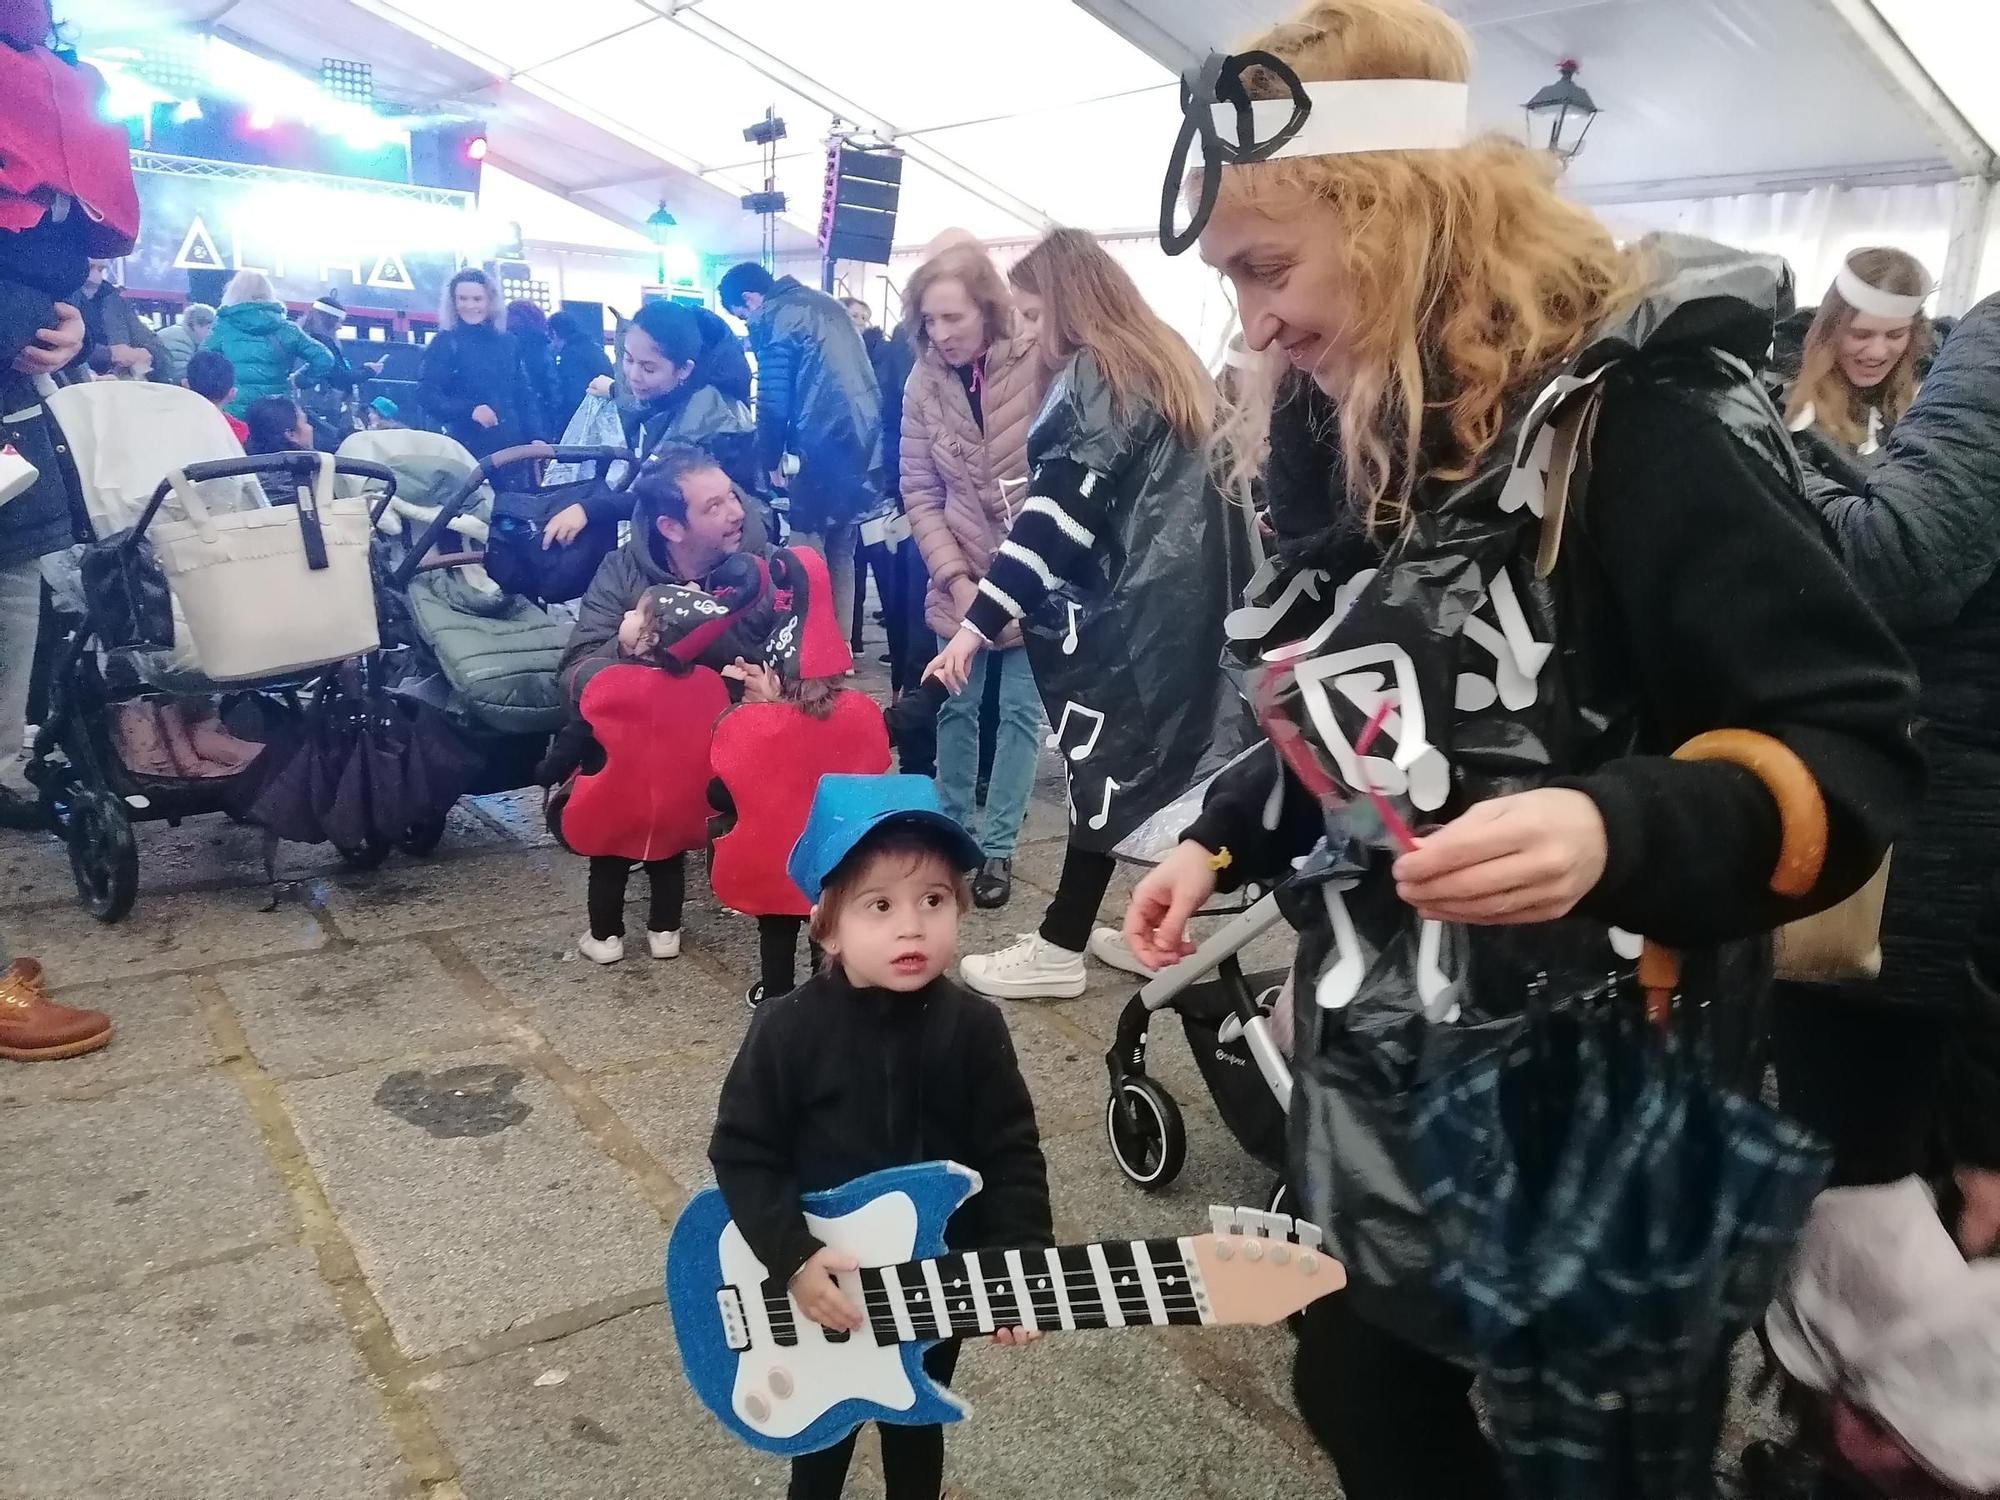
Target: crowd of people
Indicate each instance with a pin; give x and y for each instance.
(1567, 587)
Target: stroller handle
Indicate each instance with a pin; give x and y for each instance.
(301, 464)
(492, 464)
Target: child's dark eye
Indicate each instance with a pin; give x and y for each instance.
(879, 906)
(933, 901)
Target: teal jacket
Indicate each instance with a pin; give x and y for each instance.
(265, 347)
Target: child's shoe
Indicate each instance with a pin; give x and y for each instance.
(664, 944)
(602, 950)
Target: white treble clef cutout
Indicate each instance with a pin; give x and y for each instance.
(1103, 814)
(1090, 715)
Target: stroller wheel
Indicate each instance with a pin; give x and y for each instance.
(423, 838)
(366, 857)
(102, 855)
(1148, 1138)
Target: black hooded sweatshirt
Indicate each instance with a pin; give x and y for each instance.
(834, 1082)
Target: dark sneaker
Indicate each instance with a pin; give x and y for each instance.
(754, 996)
(993, 884)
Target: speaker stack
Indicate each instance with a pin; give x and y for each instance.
(858, 214)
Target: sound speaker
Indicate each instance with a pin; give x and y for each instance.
(589, 314)
(207, 286)
(443, 156)
(858, 213)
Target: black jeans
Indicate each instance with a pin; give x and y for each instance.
(912, 1457)
(1395, 1419)
(1086, 876)
(608, 874)
(778, 954)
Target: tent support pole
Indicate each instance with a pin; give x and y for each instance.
(1971, 223)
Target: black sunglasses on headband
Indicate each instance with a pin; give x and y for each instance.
(1219, 80)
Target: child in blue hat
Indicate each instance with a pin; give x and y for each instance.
(878, 1061)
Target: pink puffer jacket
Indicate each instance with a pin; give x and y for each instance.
(962, 487)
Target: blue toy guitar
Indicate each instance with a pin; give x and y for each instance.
(783, 1384)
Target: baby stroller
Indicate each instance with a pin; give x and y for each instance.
(150, 645)
(1227, 1017)
(484, 656)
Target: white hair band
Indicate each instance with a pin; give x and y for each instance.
(1355, 115)
(1872, 300)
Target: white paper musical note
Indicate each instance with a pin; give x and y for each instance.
(1531, 655)
(1069, 641)
(1437, 989)
(1255, 621)
(1096, 720)
(1103, 814)
(1342, 980)
(1528, 484)
(1517, 689)
(1627, 945)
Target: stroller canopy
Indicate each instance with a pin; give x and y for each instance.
(125, 436)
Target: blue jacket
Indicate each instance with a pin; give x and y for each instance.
(265, 347)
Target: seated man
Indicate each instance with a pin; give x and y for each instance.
(211, 376)
(687, 520)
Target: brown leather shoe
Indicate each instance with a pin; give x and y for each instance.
(33, 1028)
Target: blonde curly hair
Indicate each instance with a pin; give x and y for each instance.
(1469, 276)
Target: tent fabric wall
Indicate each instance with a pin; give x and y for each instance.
(1815, 229)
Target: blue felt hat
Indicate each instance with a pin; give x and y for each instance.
(846, 809)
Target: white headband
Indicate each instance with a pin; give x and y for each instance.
(1367, 114)
(1872, 300)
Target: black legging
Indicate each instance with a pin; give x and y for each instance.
(1086, 876)
(1395, 1420)
(912, 1457)
(778, 954)
(606, 900)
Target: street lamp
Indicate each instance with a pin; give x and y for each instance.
(1559, 116)
(660, 226)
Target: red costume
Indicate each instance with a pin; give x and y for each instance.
(53, 145)
(769, 757)
(649, 799)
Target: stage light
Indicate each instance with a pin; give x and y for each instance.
(187, 112)
(475, 149)
(261, 119)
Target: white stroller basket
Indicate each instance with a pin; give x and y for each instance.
(275, 591)
(258, 591)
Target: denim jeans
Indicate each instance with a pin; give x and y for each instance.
(20, 625)
(1014, 753)
(837, 545)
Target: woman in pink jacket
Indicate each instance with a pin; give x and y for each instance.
(966, 413)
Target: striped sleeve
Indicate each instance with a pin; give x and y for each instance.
(1051, 541)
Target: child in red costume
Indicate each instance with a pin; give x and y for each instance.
(796, 724)
(633, 763)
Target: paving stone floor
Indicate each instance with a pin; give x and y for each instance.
(242, 1260)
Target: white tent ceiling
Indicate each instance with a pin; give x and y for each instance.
(1062, 110)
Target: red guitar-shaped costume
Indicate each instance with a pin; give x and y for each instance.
(769, 757)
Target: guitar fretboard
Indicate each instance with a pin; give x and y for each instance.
(1111, 1284)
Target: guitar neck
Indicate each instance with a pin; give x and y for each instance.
(1108, 1284)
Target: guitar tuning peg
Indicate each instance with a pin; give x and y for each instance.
(1223, 1220)
(1307, 1235)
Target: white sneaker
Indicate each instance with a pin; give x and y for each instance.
(601, 950)
(1028, 970)
(1108, 946)
(664, 944)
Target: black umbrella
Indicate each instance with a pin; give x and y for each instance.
(365, 769)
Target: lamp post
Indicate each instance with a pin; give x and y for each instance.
(1559, 116)
(660, 226)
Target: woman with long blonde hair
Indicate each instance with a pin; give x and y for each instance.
(1858, 373)
(1497, 693)
(1116, 570)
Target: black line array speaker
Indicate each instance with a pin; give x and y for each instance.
(206, 285)
(858, 215)
(448, 156)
